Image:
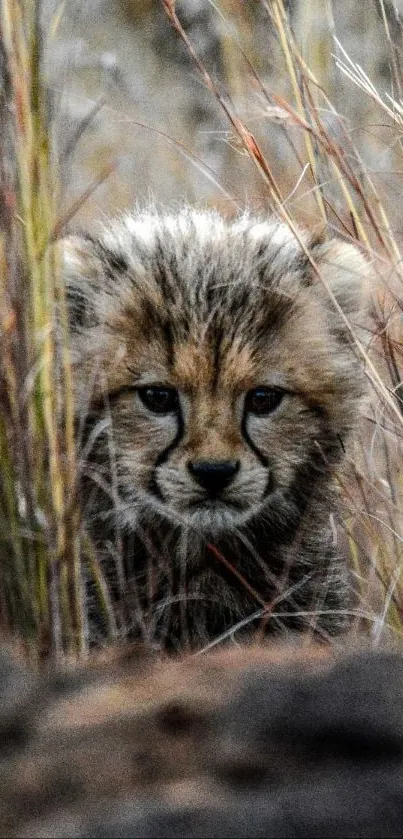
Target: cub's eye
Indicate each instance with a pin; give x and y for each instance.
(263, 400)
(159, 400)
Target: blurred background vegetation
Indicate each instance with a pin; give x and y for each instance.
(118, 66)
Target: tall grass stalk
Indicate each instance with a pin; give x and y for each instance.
(41, 586)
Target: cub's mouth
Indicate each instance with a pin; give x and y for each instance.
(214, 504)
(215, 516)
(212, 510)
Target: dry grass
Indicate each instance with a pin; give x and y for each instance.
(40, 547)
(43, 547)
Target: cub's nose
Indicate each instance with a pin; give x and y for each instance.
(214, 475)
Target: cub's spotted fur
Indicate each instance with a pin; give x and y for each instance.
(216, 389)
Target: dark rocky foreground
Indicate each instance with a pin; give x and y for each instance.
(270, 742)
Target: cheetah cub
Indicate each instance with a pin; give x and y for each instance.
(216, 389)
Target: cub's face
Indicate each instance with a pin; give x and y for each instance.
(218, 378)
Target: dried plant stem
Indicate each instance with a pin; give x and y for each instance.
(280, 20)
(40, 545)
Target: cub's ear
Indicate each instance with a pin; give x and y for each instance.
(88, 304)
(81, 270)
(347, 273)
